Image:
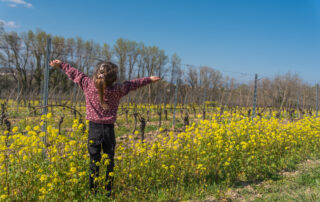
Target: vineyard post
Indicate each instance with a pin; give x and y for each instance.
(317, 99)
(204, 103)
(165, 103)
(254, 96)
(175, 105)
(298, 105)
(45, 88)
(164, 98)
(18, 95)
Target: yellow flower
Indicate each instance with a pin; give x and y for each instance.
(43, 178)
(28, 128)
(74, 180)
(15, 129)
(106, 162)
(81, 125)
(36, 128)
(104, 156)
(165, 167)
(73, 170)
(76, 121)
(111, 174)
(3, 196)
(49, 128)
(82, 174)
(42, 134)
(43, 190)
(49, 115)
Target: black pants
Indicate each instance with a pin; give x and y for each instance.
(101, 135)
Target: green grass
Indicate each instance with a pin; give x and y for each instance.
(302, 184)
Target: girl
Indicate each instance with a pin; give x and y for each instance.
(102, 100)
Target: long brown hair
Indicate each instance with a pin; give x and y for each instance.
(104, 76)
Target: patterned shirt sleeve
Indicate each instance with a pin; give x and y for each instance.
(76, 76)
(128, 86)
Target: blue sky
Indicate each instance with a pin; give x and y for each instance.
(268, 37)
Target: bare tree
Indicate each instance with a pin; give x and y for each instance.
(120, 50)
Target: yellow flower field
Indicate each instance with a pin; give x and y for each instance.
(215, 152)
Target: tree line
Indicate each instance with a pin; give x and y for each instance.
(23, 58)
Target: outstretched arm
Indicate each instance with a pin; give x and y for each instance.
(128, 86)
(74, 74)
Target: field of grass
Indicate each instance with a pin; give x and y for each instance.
(299, 184)
(210, 158)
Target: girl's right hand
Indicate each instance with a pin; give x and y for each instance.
(155, 78)
(55, 63)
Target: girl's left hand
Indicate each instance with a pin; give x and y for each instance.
(155, 78)
(55, 63)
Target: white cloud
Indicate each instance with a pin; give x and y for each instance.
(10, 24)
(14, 3)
